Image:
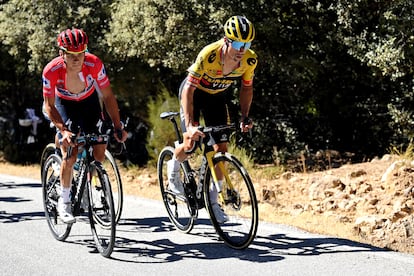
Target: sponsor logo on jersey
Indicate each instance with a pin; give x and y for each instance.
(215, 83)
(251, 61)
(102, 74)
(212, 57)
(46, 82)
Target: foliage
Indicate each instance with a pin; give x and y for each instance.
(162, 32)
(162, 131)
(380, 34)
(331, 75)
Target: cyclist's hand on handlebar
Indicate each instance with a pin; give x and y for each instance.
(68, 138)
(246, 124)
(194, 133)
(120, 135)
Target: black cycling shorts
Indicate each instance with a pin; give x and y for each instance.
(213, 108)
(85, 114)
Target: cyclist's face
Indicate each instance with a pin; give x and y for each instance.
(238, 49)
(74, 61)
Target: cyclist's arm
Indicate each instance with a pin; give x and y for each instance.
(56, 119)
(187, 103)
(49, 78)
(111, 106)
(246, 90)
(53, 113)
(246, 97)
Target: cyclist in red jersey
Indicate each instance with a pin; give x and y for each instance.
(71, 83)
(203, 91)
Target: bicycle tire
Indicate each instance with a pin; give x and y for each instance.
(112, 170)
(115, 179)
(240, 204)
(180, 211)
(102, 212)
(47, 151)
(50, 192)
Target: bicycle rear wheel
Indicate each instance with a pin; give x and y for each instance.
(180, 211)
(114, 176)
(239, 203)
(101, 211)
(51, 192)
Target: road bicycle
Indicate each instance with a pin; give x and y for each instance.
(111, 168)
(91, 190)
(236, 196)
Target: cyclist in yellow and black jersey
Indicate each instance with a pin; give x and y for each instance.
(203, 91)
(207, 73)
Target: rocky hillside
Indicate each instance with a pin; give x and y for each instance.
(367, 202)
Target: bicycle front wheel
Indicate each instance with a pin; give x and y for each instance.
(47, 151)
(181, 213)
(114, 176)
(51, 192)
(101, 211)
(237, 199)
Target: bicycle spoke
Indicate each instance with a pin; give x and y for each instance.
(178, 208)
(51, 188)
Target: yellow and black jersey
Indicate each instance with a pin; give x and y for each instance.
(207, 71)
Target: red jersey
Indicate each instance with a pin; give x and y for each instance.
(54, 78)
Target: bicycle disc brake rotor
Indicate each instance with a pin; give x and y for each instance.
(233, 198)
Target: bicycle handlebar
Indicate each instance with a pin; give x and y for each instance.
(208, 131)
(213, 129)
(87, 139)
(170, 115)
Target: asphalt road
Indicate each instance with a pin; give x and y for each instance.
(148, 244)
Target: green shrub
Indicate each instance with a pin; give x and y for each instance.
(162, 131)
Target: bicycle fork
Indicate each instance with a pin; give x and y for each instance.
(221, 167)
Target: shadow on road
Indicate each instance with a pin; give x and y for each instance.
(5, 216)
(264, 249)
(14, 185)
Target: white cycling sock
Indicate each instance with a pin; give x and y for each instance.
(174, 164)
(214, 193)
(65, 194)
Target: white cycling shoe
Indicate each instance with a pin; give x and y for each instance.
(221, 217)
(65, 211)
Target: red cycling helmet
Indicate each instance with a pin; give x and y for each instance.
(73, 41)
